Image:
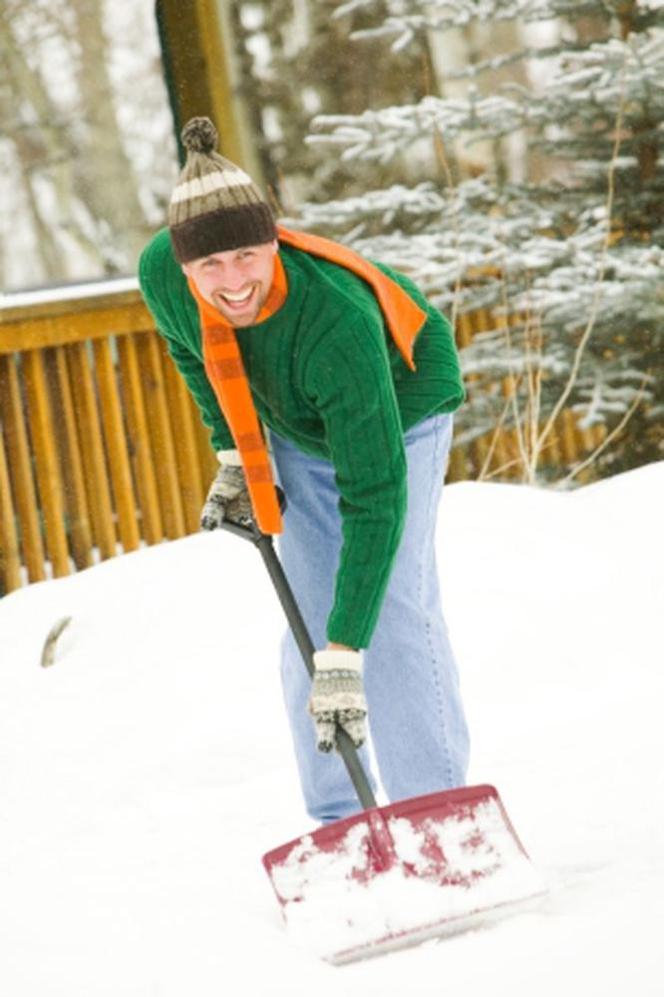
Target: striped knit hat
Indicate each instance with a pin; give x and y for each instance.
(215, 206)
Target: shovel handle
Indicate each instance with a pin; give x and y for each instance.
(298, 627)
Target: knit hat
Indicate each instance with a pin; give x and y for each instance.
(215, 206)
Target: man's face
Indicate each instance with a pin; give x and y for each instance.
(236, 282)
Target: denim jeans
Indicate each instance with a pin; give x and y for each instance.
(416, 718)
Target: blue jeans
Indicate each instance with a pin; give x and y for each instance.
(416, 718)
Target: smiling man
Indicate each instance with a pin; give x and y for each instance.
(344, 370)
(236, 282)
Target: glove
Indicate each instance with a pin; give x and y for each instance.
(337, 697)
(228, 497)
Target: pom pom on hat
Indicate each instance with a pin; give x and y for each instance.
(199, 135)
(215, 206)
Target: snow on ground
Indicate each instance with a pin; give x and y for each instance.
(145, 773)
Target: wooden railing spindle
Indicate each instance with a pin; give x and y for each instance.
(184, 437)
(10, 557)
(139, 445)
(67, 431)
(92, 450)
(20, 464)
(47, 467)
(161, 436)
(116, 445)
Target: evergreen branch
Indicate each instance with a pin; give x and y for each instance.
(503, 61)
(441, 156)
(350, 7)
(407, 21)
(583, 342)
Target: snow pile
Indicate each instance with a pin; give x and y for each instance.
(145, 773)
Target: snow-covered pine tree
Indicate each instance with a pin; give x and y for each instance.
(294, 59)
(569, 258)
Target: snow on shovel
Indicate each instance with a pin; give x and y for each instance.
(399, 874)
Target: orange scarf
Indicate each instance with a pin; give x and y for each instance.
(225, 370)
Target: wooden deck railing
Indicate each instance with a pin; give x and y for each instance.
(101, 446)
(500, 453)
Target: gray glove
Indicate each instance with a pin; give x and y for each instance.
(227, 498)
(337, 697)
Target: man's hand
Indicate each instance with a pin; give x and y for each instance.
(337, 697)
(227, 498)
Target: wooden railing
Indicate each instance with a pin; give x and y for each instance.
(101, 446)
(505, 453)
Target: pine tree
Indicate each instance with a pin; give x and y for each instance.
(568, 258)
(295, 59)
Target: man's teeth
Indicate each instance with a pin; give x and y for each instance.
(238, 298)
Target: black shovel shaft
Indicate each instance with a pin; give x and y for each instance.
(290, 607)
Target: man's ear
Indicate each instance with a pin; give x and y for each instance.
(186, 269)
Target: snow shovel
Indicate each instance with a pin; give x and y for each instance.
(395, 875)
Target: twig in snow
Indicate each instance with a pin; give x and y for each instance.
(48, 651)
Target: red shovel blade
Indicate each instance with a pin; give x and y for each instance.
(396, 875)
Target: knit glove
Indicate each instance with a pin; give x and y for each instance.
(337, 697)
(228, 497)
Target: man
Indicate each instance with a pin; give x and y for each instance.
(355, 376)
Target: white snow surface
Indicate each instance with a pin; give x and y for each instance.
(144, 774)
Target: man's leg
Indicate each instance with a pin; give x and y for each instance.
(415, 712)
(417, 722)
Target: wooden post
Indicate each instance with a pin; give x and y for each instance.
(10, 560)
(47, 467)
(456, 470)
(586, 439)
(189, 470)
(464, 332)
(599, 433)
(18, 456)
(116, 445)
(92, 448)
(197, 50)
(161, 435)
(138, 436)
(479, 449)
(567, 439)
(207, 459)
(80, 533)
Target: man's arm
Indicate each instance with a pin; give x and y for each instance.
(350, 383)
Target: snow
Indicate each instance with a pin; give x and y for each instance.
(146, 772)
(68, 292)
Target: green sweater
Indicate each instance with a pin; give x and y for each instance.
(325, 374)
